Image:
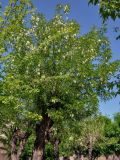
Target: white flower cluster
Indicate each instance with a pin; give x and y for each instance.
(34, 18)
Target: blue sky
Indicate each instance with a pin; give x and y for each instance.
(86, 16)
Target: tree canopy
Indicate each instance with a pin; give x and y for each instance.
(51, 75)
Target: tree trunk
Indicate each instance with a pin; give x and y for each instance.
(106, 157)
(90, 152)
(118, 156)
(78, 155)
(114, 157)
(23, 141)
(81, 157)
(42, 130)
(56, 149)
(20, 137)
(14, 147)
(66, 158)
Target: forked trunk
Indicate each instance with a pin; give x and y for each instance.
(22, 138)
(21, 147)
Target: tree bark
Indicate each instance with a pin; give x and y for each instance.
(119, 156)
(56, 149)
(106, 157)
(14, 147)
(90, 152)
(22, 138)
(114, 157)
(66, 158)
(42, 130)
(81, 157)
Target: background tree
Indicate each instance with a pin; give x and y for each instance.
(109, 144)
(92, 130)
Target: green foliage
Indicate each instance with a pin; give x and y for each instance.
(109, 144)
(117, 118)
(64, 8)
(108, 8)
(49, 151)
(50, 64)
(28, 149)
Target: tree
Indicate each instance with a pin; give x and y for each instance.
(11, 24)
(51, 72)
(109, 144)
(92, 130)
